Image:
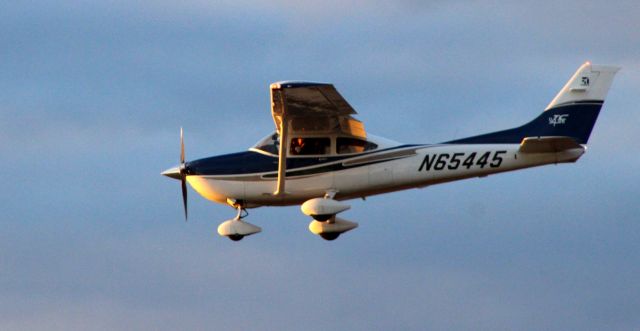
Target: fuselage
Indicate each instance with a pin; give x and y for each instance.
(251, 176)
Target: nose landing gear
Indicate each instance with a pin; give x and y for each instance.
(235, 228)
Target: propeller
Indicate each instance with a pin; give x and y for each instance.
(183, 174)
(180, 172)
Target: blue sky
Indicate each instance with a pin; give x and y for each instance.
(92, 95)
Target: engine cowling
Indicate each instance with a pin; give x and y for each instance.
(322, 209)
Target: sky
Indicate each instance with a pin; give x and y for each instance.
(92, 96)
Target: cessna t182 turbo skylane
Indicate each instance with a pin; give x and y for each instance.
(320, 155)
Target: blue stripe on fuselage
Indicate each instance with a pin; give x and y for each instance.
(250, 162)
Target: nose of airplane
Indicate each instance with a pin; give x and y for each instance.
(172, 173)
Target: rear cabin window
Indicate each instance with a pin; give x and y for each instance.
(309, 146)
(353, 145)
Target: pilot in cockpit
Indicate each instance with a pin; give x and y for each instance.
(297, 146)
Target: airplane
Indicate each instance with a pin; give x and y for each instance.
(320, 155)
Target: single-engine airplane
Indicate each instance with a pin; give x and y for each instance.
(320, 155)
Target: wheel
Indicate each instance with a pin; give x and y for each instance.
(330, 235)
(322, 218)
(236, 237)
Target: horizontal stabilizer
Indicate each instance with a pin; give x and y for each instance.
(548, 144)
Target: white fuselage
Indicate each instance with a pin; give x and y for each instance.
(382, 172)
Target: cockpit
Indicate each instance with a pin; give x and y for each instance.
(314, 145)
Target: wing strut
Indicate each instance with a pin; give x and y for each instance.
(282, 155)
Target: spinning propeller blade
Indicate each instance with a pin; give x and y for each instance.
(184, 194)
(181, 146)
(183, 174)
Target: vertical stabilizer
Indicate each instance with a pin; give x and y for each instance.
(590, 82)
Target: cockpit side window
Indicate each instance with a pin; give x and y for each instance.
(353, 145)
(309, 146)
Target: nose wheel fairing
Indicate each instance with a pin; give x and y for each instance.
(236, 229)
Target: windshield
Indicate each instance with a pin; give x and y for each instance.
(269, 144)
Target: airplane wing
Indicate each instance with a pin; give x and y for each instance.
(306, 107)
(313, 107)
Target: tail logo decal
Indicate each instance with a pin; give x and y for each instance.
(585, 81)
(558, 119)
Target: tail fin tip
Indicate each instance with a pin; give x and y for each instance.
(589, 82)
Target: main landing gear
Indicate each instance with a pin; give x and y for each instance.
(325, 222)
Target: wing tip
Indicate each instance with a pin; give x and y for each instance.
(295, 84)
